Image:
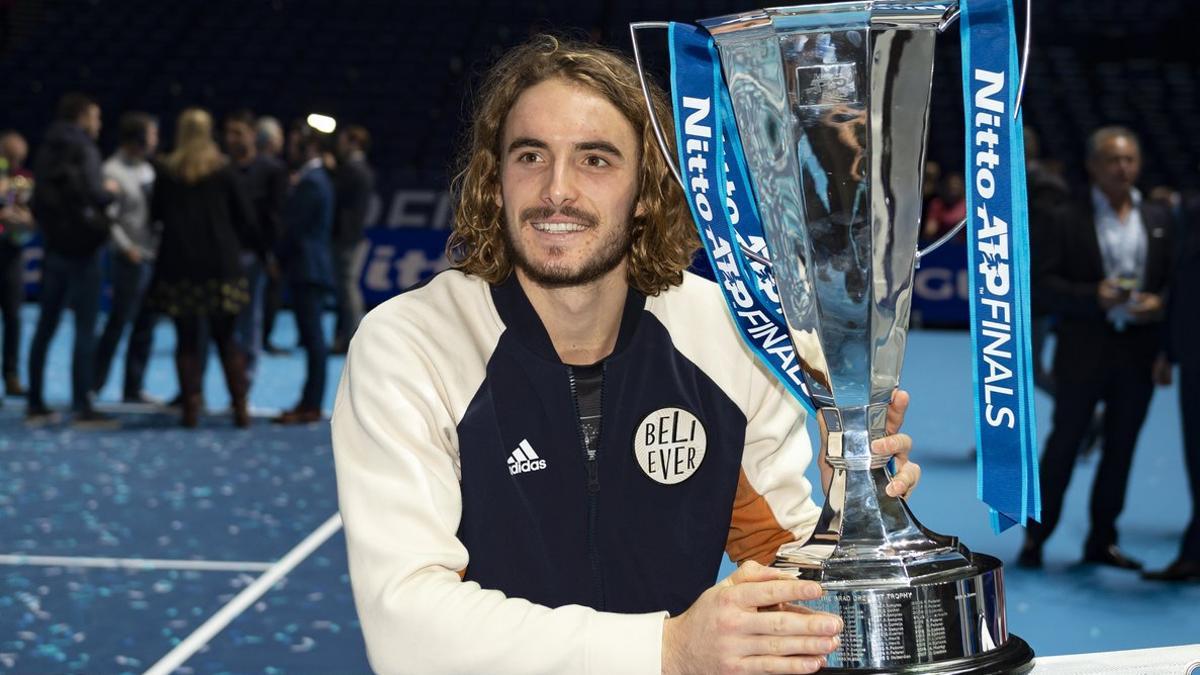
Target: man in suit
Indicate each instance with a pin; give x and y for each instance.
(303, 253)
(354, 186)
(1103, 268)
(1183, 348)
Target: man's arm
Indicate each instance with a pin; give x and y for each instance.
(394, 446)
(1054, 290)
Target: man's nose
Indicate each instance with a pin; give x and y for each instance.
(560, 186)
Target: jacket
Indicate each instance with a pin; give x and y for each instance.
(481, 538)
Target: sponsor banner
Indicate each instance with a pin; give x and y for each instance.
(399, 258)
(396, 259)
(998, 246)
(941, 288)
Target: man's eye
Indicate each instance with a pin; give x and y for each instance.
(528, 157)
(595, 160)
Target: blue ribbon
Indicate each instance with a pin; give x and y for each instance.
(722, 203)
(998, 227)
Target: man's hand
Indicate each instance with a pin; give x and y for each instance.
(1109, 294)
(133, 255)
(898, 445)
(1145, 306)
(724, 631)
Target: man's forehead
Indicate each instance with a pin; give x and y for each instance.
(558, 110)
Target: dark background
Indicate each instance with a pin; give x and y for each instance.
(405, 69)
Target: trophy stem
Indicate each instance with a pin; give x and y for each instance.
(864, 535)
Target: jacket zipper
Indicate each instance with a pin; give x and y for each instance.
(590, 461)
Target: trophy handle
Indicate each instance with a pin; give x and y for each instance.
(949, 19)
(658, 130)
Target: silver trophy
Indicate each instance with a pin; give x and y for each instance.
(832, 105)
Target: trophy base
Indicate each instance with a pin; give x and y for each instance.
(950, 622)
(1014, 658)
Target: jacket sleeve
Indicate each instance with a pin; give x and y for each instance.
(1054, 291)
(773, 505)
(394, 442)
(93, 180)
(241, 212)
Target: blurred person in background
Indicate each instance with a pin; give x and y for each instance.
(1047, 194)
(1103, 268)
(303, 253)
(264, 179)
(354, 183)
(947, 209)
(268, 138)
(1183, 349)
(133, 247)
(198, 277)
(70, 199)
(16, 228)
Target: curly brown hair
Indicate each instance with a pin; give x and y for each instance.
(663, 239)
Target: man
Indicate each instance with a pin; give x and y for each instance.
(69, 200)
(303, 252)
(16, 226)
(268, 139)
(133, 247)
(541, 451)
(1183, 348)
(264, 179)
(1103, 269)
(355, 183)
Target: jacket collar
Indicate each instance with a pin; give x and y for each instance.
(523, 321)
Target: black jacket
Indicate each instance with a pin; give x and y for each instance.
(1068, 268)
(353, 183)
(1183, 316)
(69, 195)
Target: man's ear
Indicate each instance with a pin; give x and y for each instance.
(639, 211)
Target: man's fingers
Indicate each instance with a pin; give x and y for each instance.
(905, 480)
(791, 624)
(765, 593)
(750, 571)
(782, 664)
(792, 645)
(897, 445)
(897, 410)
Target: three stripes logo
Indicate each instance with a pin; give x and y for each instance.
(524, 460)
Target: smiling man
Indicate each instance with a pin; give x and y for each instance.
(543, 454)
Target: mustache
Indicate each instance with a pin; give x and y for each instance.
(548, 212)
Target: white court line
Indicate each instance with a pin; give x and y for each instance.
(217, 622)
(134, 563)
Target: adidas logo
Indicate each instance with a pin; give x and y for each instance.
(524, 460)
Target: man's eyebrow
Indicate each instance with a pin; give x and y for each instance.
(526, 142)
(602, 146)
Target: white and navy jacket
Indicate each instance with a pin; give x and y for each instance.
(478, 541)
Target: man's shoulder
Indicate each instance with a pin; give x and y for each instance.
(449, 301)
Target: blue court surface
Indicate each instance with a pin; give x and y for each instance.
(117, 546)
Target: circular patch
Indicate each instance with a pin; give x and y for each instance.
(669, 445)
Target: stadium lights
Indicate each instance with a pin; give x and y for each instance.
(322, 123)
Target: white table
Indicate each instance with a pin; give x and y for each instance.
(1183, 660)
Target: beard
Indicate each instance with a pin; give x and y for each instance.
(605, 259)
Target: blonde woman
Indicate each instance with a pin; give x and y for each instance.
(198, 277)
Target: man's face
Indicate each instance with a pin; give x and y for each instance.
(568, 184)
(90, 121)
(1115, 166)
(151, 138)
(15, 150)
(239, 139)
